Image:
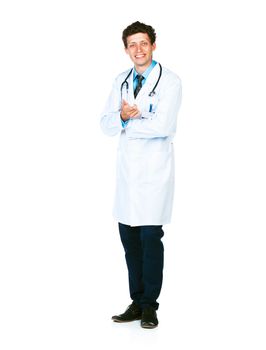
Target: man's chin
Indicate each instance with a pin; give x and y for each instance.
(141, 63)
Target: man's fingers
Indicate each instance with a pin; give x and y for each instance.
(133, 108)
(135, 114)
(130, 111)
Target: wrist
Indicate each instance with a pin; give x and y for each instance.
(124, 117)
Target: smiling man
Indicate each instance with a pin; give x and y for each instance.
(142, 108)
(140, 49)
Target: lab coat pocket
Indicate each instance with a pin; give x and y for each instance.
(152, 104)
(159, 168)
(149, 110)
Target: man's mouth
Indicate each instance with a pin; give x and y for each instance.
(139, 56)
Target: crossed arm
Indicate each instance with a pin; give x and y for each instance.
(160, 124)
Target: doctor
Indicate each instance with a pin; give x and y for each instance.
(142, 109)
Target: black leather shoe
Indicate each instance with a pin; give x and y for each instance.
(149, 318)
(132, 313)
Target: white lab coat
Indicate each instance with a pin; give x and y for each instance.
(145, 157)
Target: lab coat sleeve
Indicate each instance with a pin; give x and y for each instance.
(110, 118)
(162, 123)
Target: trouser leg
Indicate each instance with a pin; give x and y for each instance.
(130, 238)
(152, 268)
(144, 254)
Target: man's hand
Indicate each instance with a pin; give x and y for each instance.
(128, 111)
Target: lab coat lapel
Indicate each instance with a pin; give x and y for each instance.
(148, 86)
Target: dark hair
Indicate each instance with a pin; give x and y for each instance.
(138, 27)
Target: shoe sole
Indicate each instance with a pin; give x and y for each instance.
(124, 321)
(149, 326)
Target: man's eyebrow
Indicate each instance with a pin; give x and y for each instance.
(135, 42)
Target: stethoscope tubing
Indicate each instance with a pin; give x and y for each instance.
(152, 93)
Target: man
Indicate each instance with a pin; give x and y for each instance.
(142, 108)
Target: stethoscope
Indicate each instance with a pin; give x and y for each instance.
(152, 93)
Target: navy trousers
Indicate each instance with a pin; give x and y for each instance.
(144, 254)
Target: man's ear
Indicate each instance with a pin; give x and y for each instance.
(126, 50)
(153, 46)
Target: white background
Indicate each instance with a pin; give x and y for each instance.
(63, 273)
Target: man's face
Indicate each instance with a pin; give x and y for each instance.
(139, 49)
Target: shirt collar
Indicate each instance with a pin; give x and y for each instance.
(146, 72)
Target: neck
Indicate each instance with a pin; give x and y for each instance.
(141, 69)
